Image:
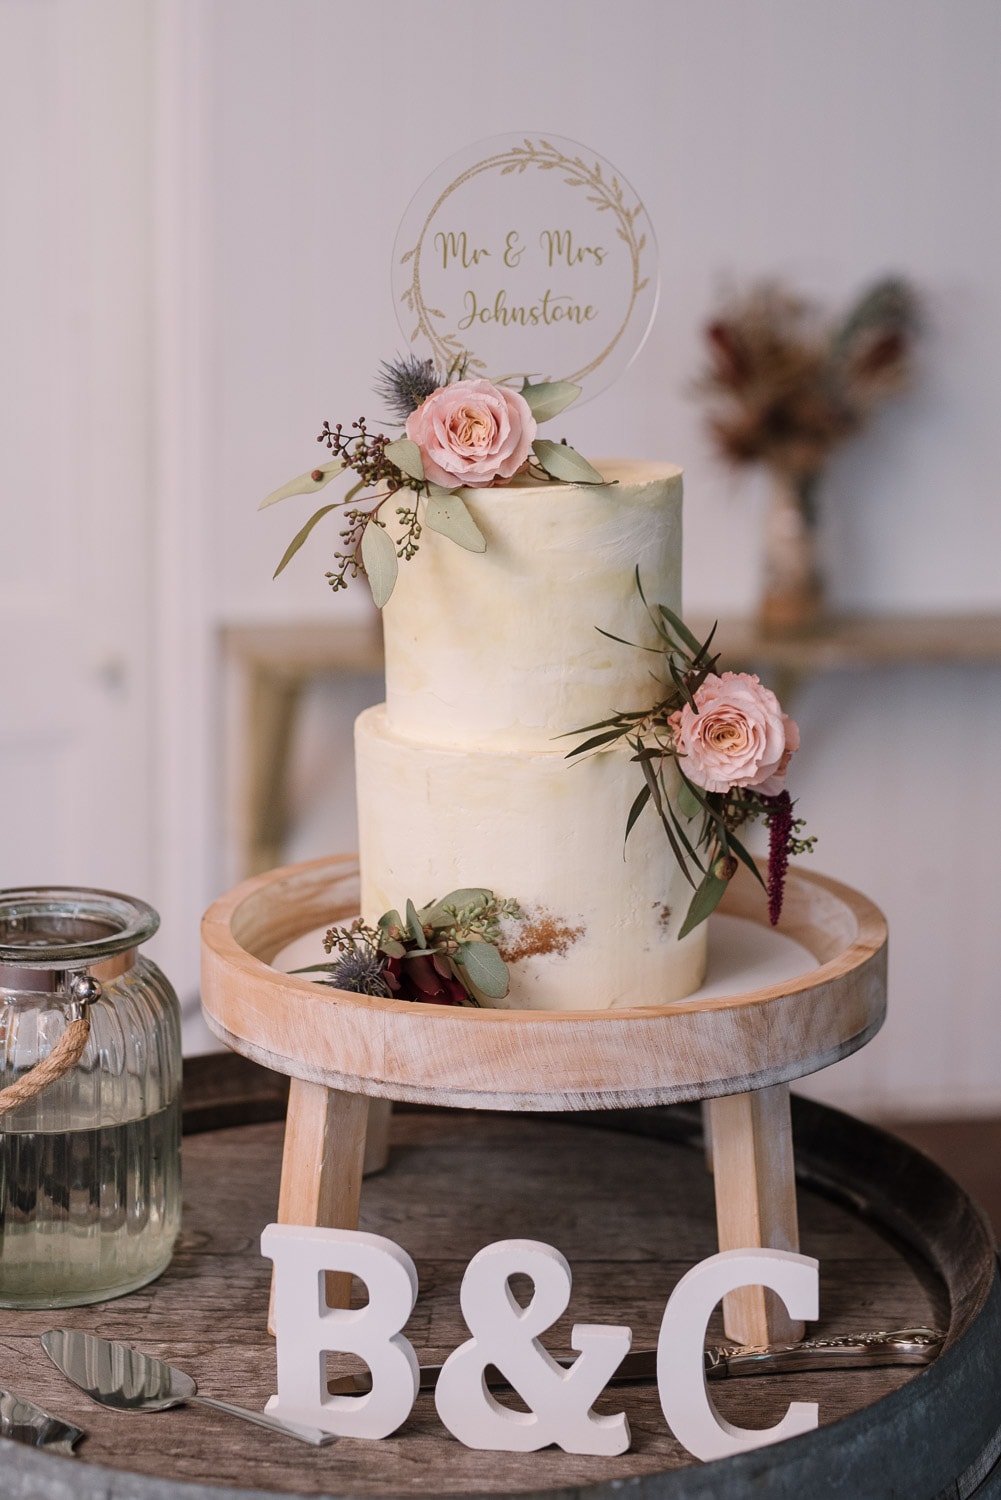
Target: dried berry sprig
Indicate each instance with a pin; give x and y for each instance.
(411, 532)
(365, 453)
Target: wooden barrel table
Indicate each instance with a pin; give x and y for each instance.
(626, 1197)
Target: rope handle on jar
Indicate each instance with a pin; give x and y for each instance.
(67, 1052)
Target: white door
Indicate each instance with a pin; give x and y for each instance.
(75, 506)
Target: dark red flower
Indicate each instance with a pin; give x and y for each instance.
(419, 978)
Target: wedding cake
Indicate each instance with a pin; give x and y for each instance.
(492, 658)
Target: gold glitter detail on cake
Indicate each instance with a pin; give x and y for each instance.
(540, 933)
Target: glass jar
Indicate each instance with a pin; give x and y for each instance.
(90, 1170)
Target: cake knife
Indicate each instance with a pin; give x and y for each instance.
(849, 1351)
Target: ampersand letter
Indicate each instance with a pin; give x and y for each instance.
(506, 1335)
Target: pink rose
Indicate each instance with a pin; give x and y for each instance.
(472, 433)
(738, 737)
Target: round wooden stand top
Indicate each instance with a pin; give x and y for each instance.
(538, 1060)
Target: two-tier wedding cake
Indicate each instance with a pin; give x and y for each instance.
(462, 774)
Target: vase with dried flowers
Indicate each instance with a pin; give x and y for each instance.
(785, 386)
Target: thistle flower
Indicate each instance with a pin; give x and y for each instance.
(360, 971)
(406, 383)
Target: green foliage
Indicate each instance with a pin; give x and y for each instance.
(562, 462)
(378, 554)
(301, 536)
(459, 934)
(447, 513)
(305, 484)
(486, 969)
(549, 397)
(406, 455)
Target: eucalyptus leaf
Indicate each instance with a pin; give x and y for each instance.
(301, 536)
(406, 455)
(549, 397)
(484, 968)
(448, 514)
(563, 462)
(679, 830)
(689, 805)
(459, 973)
(390, 919)
(305, 484)
(436, 914)
(415, 926)
(705, 901)
(378, 553)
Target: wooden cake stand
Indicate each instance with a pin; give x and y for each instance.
(738, 1051)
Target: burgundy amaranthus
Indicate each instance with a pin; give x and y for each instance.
(781, 844)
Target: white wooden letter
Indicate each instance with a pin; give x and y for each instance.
(681, 1381)
(506, 1335)
(306, 1328)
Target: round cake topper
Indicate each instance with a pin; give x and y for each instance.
(527, 257)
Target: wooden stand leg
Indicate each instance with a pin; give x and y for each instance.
(755, 1202)
(380, 1118)
(322, 1166)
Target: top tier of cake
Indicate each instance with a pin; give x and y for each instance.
(504, 647)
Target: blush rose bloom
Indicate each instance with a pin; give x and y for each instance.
(738, 737)
(472, 433)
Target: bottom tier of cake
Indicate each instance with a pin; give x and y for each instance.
(601, 920)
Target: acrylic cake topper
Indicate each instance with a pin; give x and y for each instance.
(527, 257)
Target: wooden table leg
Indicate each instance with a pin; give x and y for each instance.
(755, 1202)
(322, 1165)
(274, 704)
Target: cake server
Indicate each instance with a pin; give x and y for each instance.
(849, 1351)
(25, 1422)
(117, 1376)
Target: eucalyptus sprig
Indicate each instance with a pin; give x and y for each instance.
(445, 952)
(700, 826)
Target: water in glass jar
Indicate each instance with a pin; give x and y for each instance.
(87, 1213)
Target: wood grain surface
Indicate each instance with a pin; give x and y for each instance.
(628, 1200)
(538, 1060)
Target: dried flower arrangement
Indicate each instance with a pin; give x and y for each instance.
(459, 433)
(785, 387)
(714, 751)
(446, 953)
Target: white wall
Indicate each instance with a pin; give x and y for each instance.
(819, 141)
